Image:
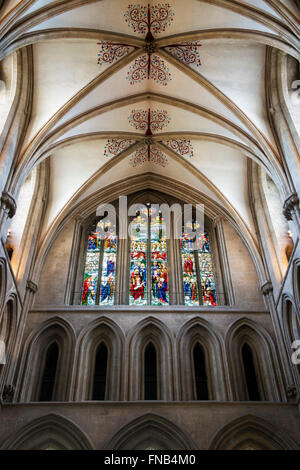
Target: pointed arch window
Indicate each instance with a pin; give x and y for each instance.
(49, 373)
(250, 373)
(100, 265)
(100, 373)
(150, 373)
(148, 259)
(200, 375)
(199, 285)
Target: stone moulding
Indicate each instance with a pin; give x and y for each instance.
(290, 205)
(8, 203)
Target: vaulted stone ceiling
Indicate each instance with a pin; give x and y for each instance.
(173, 89)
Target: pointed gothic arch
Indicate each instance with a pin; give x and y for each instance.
(150, 330)
(149, 432)
(251, 433)
(100, 331)
(54, 330)
(200, 331)
(247, 331)
(50, 432)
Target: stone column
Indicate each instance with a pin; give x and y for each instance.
(8, 209)
(31, 289)
(284, 360)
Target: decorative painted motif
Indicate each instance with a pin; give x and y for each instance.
(149, 121)
(207, 278)
(186, 52)
(100, 264)
(182, 146)
(114, 147)
(148, 153)
(111, 52)
(159, 260)
(147, 19)
(149, 66)
(190, 288)
(138, 261)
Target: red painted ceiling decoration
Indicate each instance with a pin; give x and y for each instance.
(148, 153)
(111, 52)
(149, 121)
(149, 66)
(149, 20)
(114, 147)
(182, 146)
(187, 52)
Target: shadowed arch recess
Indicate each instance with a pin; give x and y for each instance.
(50, 432)
(151, 432)
(251, 433)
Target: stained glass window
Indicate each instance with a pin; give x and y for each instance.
(207, 278)
(198, 273)
(100, 266)
(159, 260)
(190, 288)
(138, 261)
(148, 261)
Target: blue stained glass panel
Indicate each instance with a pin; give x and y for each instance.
(138, 261)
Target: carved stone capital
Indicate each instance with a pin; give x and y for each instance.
(291, 391)
(8, 394)
(266, 288)
(8, 203)
(290, 204)
(218, 220)
(31, 286)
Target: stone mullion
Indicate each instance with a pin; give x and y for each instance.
(225, 280)
(174, 265)
(170, 270)
(71, 281)
(123, 262)
(198, 276)
(122, 279)
(149, 252)
(101, 256)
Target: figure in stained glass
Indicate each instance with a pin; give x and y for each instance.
(193, 276)
(100, 266)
